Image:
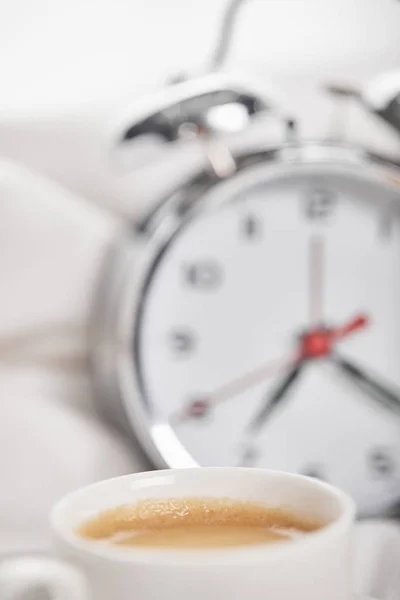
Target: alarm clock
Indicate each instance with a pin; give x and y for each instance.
(252, 319)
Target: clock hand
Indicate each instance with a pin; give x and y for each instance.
(379, 391)
(312, 345)
(233, 388)
(278, 395)
(316, 268)
(351, 326)
(319, 342)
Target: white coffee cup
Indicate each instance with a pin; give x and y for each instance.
(314, 567)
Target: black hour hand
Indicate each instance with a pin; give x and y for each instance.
(379, 391)
(280, 393)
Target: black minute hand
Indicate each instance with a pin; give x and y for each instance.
(279, 394)
(380, 392)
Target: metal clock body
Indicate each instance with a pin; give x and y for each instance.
(254, 320)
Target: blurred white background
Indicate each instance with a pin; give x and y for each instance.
(68, 70)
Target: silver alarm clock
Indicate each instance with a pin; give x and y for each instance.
(252, 318)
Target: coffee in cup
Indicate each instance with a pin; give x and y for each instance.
(198, 523)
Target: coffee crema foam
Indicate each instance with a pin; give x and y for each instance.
(195, 523)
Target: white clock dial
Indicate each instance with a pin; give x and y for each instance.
(269, 323)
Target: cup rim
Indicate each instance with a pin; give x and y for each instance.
(219, 556)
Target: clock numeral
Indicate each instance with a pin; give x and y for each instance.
(251, 228)
(315, 471)
(320, 204)
(199, 408)
(381, 463)
(249, 457)
(182, 342)
(205, 275)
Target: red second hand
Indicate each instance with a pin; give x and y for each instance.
(358, 322)
(319, 342)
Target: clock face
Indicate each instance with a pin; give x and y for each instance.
(269, 333)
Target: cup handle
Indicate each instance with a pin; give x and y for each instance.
(20, 576)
